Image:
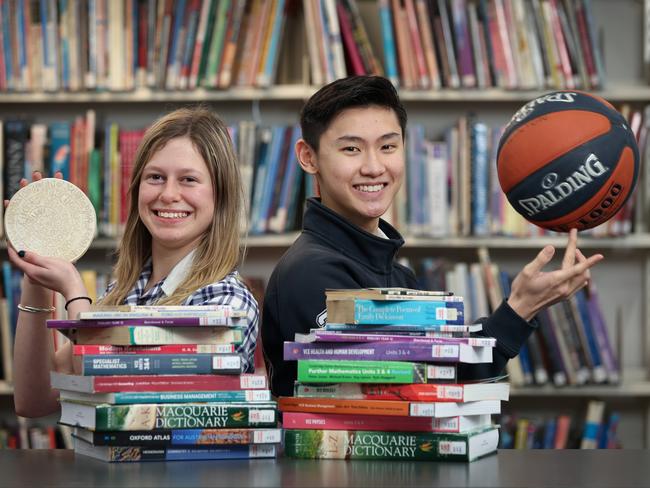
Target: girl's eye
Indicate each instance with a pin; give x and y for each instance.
(154, 177)
(190, 179)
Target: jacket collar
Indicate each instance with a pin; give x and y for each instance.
(373, 251)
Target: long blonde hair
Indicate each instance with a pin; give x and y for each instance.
(218, 252)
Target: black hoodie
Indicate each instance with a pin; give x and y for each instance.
(333, 253)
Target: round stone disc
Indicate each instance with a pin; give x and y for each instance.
(51, 217)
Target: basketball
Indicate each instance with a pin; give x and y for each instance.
(566, 160)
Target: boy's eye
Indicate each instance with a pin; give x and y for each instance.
(351, 149)
(389, 147)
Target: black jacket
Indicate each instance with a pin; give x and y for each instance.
(333, 253)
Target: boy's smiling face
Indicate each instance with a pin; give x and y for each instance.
(359, 164)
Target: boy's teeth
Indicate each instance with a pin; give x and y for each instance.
(173, 215)
(370, 188)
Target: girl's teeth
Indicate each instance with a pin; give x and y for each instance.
(172, 215)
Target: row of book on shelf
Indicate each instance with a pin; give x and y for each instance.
(379, 381)
(451, 186)
(49, 46)
(491, 43)
(125, 44)
(572, 344)
(598, 429)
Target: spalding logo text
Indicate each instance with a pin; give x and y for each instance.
(590, 169)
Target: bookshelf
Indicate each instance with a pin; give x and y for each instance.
(627, 257)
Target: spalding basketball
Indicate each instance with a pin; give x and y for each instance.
(567, 160)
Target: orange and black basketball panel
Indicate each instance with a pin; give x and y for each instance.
(567, 159)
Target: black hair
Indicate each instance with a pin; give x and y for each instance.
(353, 91)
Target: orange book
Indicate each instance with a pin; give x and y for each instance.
(420, 62)
(398, 408)
(406, 67)
(427, 43)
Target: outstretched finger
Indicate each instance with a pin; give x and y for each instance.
(578, 269)
(58, 175)
(541, 260)
(570, 253)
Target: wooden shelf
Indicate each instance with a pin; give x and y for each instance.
(620, 93)
(633, 241)
(631, 390)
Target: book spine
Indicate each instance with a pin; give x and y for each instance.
(126, 398)
(360, 372)
(106, 365)
(153, 336)
(415, 393)
(134, 454)
(335, 326)
(412, 312)
(96, 349)
(187, 437)
(341, 444)
(376, 351)
(325, 421)
(159, 383)
(329, 336)
(388, 39)
(181, 416)
(206, 320)
(346, 406)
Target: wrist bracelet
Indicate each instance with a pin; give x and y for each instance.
(77, 298)
(30, 309)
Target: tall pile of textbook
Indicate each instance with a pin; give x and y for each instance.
(380, 381)
(164, 383)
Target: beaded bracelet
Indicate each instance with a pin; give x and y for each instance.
(77, 298)
(30, 309)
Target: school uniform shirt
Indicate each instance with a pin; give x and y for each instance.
(228, 291)
(333, 253)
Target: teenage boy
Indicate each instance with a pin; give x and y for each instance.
(353, 143)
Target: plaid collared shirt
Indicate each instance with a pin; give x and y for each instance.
(229, 291)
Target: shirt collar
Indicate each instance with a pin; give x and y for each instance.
(178, 274)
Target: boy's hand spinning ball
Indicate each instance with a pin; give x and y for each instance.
(567, 160)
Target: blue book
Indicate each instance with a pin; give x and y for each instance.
(390, 56)
(60, 148)
(289, 200)
(411, 312)
(134, 364)
(479, 134)
(259, 180)
(599, 372)
(200, 438)
(549, 434)
(127, 398)
(136, 454)
(267, 183)
(270, 63)
(174, 54)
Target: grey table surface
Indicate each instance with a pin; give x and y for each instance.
(507, 468)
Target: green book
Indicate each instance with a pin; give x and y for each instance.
(168, 415)
(326, 371)
(216, 45)
(410, 446)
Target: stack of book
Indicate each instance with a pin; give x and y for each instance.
(164, 383)
(380, 381)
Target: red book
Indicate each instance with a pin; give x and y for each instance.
(143, 383)
(327, 421)
(96, 349)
